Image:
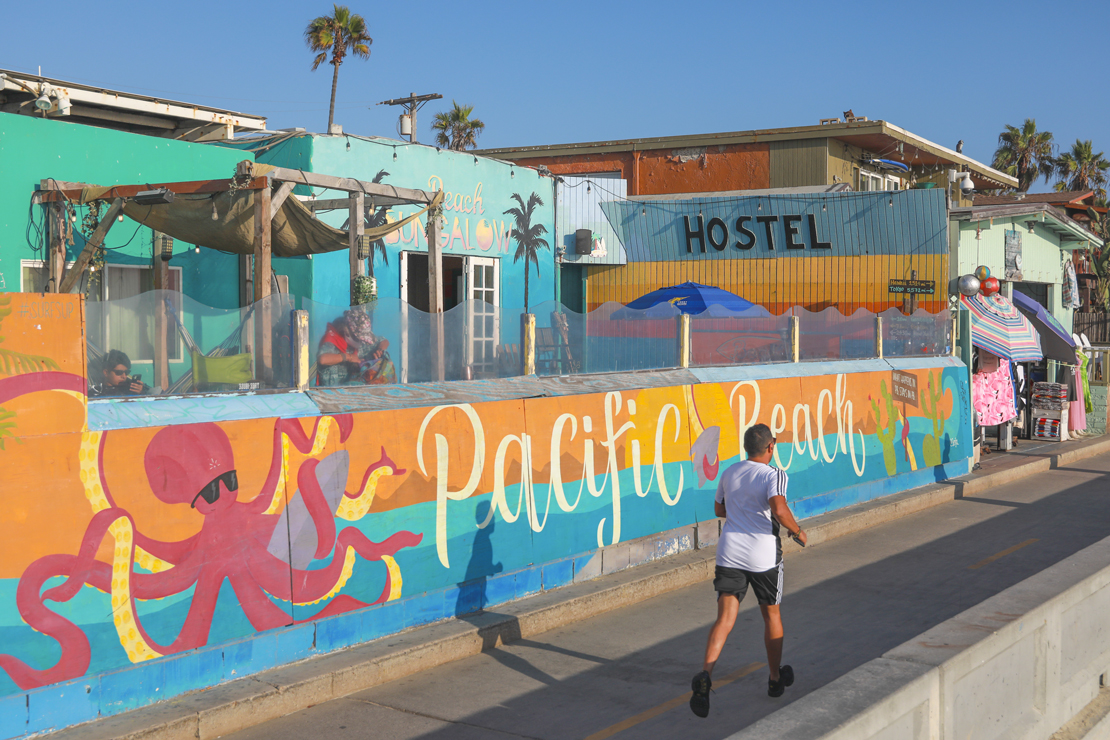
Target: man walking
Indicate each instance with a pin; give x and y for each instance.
(751, 496)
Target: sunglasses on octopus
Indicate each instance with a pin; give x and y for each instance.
(211, 492)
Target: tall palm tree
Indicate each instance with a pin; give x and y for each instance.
(456, 129)
(339, 34)
(1025, 153)
(1082, 169)
(528, 236)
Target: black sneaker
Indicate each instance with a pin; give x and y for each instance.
(786, 678)
(699, 702)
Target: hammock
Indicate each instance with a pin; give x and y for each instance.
(223, 350)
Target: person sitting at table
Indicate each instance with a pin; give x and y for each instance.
(375, 367)
(115, 378)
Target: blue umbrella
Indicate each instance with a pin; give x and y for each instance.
(1056, 341)
(693, 298)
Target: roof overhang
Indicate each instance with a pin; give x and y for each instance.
(122, 111)
(877, 137)
(1072, 235)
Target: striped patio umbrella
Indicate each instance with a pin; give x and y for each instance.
(998, 327)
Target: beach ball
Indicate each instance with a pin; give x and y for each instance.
(989, 286)
(982, 272)
(969, 285)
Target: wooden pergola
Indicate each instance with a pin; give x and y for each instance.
(272, 188)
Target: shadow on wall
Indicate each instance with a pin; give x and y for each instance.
(472, 591)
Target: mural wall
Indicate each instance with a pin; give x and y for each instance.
(128, 545)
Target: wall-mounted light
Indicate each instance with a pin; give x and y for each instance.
(43, 101)
(160, 196)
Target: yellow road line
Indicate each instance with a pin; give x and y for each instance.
(669, 705)
(1002, 554)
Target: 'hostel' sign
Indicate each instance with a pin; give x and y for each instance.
(902, 222)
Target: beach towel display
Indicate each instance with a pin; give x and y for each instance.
(992, 392)
(1050, 411)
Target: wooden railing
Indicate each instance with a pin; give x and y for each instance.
(1095, 325)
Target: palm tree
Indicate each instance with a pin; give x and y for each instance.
(456, 129)
(375, 220)
(527, 236)
(1025, 153)
(340, 34)
(1082, 169)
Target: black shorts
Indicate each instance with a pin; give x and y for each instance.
(767, 584)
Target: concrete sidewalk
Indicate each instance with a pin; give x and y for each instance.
(250, 701)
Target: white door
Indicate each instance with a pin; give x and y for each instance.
(483, 316)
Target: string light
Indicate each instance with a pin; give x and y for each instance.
(394, 154)
(120, 217)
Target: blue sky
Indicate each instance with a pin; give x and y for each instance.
(542, 73)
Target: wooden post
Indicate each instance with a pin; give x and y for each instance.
(161, 270)
(878, 336)
(56, 261)
(684, 340)
(795, 339)
(263, 331)
(528, 343)
(73, 277)
(355, 228)
(435, 293)
(246, 277)
(301, 380)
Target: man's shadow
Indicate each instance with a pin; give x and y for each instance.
(472, 590)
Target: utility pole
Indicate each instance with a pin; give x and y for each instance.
(411, 104)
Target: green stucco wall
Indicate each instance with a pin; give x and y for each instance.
(34, 149)
(983, 243)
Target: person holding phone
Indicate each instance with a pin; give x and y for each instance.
(751, 496)
(116, 379)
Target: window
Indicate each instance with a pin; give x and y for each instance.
(34, 276)
(871, 181)
(129, 324)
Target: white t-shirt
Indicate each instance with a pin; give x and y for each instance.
(750, 537)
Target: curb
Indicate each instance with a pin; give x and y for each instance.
(246, 702)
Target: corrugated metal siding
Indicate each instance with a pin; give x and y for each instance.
(848, 283)
(874, 236)
(857, 224)
(578, 206)
(797, 163)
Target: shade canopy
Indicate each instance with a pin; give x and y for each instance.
(695, 298)
(998, 327)
(1056, 343)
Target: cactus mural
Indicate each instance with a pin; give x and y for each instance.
(886, 434)
(931, 408)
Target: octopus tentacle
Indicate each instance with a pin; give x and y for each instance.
(355, 507)
(151, 554)
(76, 653)
(311, 586)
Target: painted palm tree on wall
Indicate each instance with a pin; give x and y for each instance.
(528, 236)
(339, 34)
(456, 130)
(1082, 168)
(1025, 153)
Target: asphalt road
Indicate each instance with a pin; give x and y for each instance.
(626, 674)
